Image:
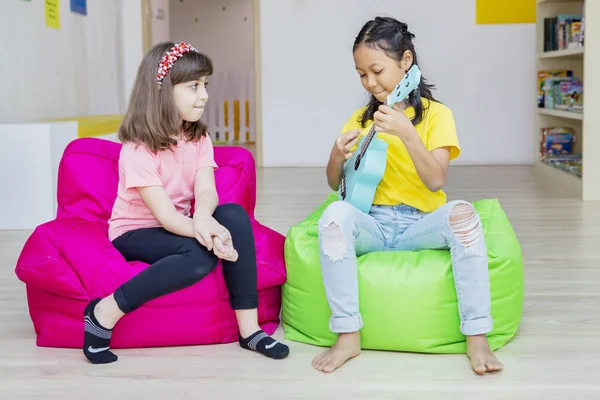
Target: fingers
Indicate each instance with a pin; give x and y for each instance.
(378, 116)
(348, 137)
(385, 109)
(351, 134)
(381, 121)
(348, 141)
(344, 143)
(220, 245)
(223, 234)
(205, 239)
(225, 251)
(350, 144)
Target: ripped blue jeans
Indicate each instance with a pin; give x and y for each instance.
(345, 232)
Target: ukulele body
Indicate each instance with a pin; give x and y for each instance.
(362, 182)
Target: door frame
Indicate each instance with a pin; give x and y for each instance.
(257, 84)
(146, 10)
(146, 25)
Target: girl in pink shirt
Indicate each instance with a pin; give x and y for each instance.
(166, 162)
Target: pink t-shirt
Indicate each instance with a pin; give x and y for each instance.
(174, 169)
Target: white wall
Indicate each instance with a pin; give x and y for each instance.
(160, 21)
(222, 29)
(310, 88)
(79, 69)
(29, 160)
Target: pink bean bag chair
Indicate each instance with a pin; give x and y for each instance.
(69, 261)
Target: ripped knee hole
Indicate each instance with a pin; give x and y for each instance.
(465, 225)
(334, 241)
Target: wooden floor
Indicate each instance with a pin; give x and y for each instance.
(554, 355)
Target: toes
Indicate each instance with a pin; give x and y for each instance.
(494, 366)
(478, 366)
(329, 368)
(480, 369)
(323, 363)
(317, 359)
(318, 362)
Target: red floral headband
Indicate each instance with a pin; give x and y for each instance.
(166, 63)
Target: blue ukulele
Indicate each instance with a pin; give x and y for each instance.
(364, 170)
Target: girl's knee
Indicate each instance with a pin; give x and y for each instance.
(200, 261)
(332, 230)
(465, 224)
(338, 211)
(231, 213)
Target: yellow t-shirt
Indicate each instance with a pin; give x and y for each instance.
(400, 183)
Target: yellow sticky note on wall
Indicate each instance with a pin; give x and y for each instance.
(504, 12)
(52, 8)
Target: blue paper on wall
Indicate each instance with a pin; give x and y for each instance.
(79, 6)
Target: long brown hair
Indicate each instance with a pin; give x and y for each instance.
(152, 117)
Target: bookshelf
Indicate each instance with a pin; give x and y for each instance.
(557, 112)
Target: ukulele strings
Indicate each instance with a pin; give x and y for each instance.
(350, 167)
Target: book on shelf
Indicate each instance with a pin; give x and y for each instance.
(560, 90)
(564, 31)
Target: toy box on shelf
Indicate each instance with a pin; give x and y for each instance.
(557, 149)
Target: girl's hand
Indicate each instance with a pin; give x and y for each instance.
(224, 251)
(394, 122)
(206, 228)
(343, 144)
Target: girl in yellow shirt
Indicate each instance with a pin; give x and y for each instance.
(409, 210)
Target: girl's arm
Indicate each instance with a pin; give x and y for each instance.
(161, 206)
(207, 200)
(339, 154)
(334, 173)
(205, 192)
(431, 166)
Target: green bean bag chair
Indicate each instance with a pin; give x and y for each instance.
(407, 299)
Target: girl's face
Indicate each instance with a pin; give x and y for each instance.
(379, 73)
(190, 99)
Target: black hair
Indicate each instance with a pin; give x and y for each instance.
(394, 38)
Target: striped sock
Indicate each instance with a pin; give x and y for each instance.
(261, 342)
(96, 339)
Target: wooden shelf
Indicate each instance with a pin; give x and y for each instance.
(573, 53)
(584, 62)
(558, 179)
(561, 114)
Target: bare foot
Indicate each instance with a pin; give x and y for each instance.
(346, 347)
(482, 358)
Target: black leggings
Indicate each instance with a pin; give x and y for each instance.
(178, 262)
